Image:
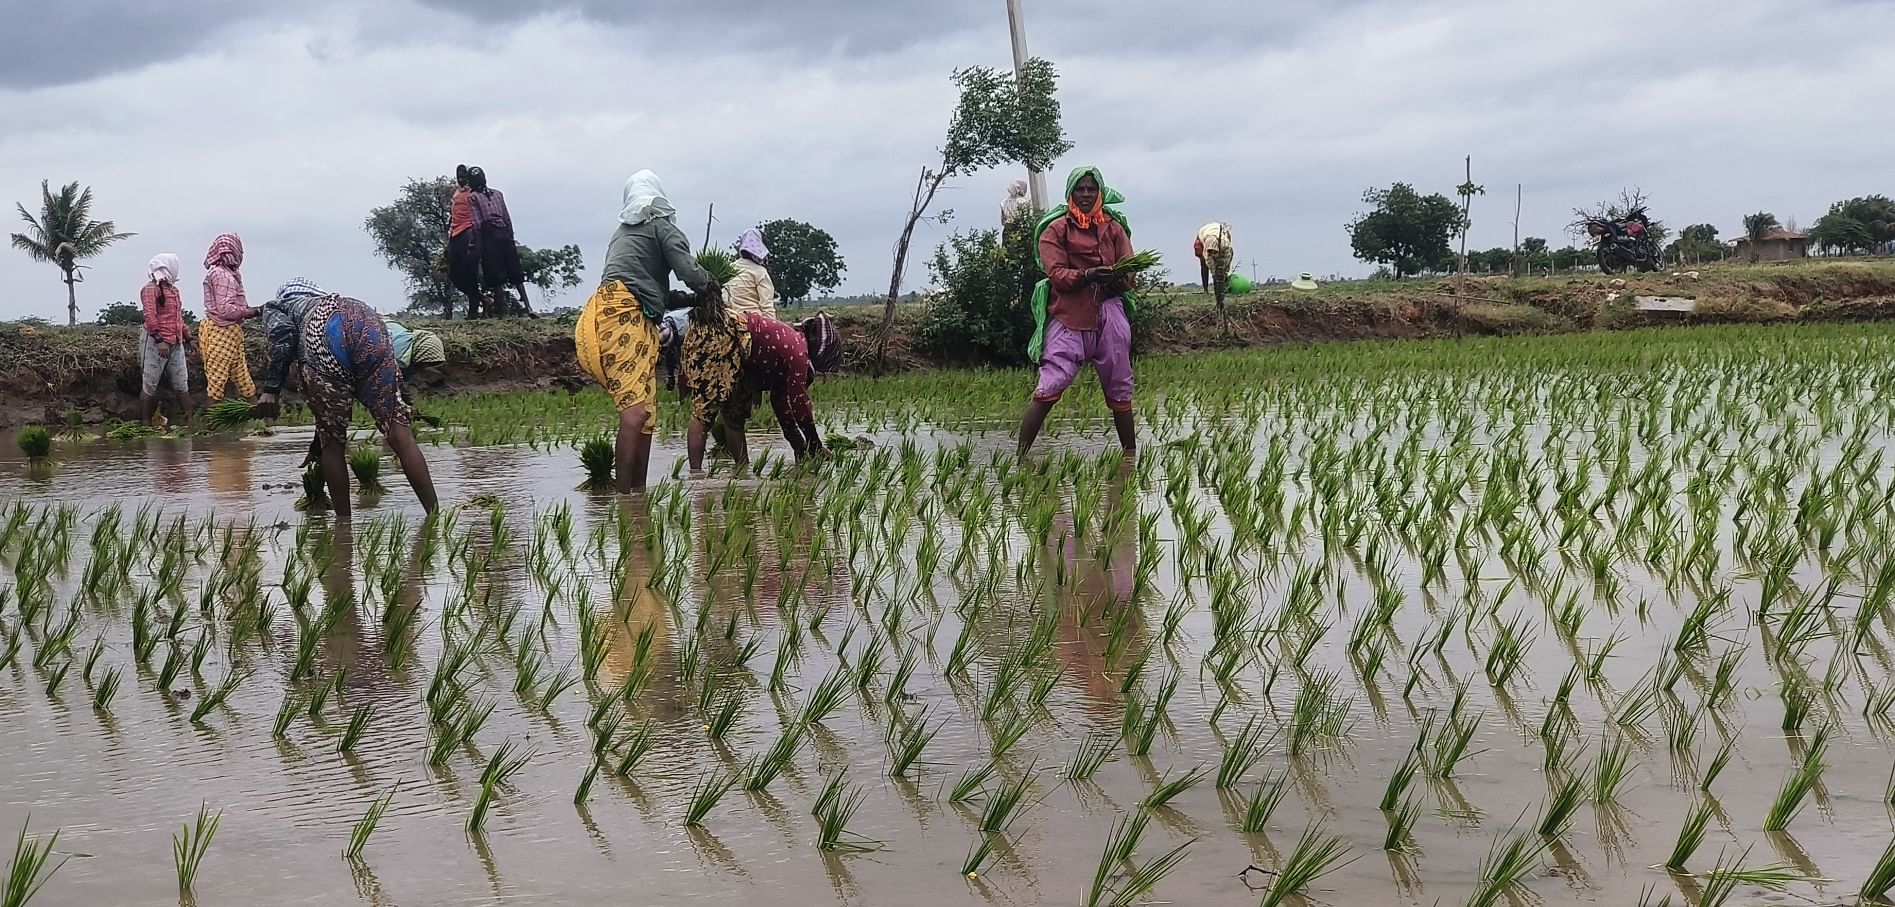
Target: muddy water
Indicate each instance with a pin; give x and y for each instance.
(119, 784)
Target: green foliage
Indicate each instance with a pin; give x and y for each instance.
(366, 463)
(981, 313)
(1406, 230)
(719, 264)
(598, 458)
(803, 258)
(27, 871)
(36, 443)
(121, 314)
(1696, 243)
(1759, 225)
(553, 270)
(65, 234)
(1856, 225)
(227, 415)
(1004, 120)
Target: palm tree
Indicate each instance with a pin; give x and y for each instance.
(65, 235)
(1756, 227)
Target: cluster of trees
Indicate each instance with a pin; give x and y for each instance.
(1857, 226)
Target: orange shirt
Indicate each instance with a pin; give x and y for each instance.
(460, 214)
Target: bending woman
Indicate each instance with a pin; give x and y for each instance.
(346, 356)
(731, 358)
(617, 334)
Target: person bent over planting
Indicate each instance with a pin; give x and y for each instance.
(1216, 252)
(220, 337)
(617, 334)
(729, 359)
(162, 350)
(346, 357)
(1081, 306)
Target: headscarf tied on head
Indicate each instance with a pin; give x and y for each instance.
(226, 252)
(1016, 189)
(1085, 219)
(298, 288)
(427, 349)
(751, 243)
(163, 268)
(645, 200)
(476, 179)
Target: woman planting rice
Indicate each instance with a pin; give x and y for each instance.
(617, 334)
(1081, 306)
(346, 356)
(220, 337)
(730, 358)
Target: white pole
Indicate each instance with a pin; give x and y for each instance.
(1016, 23)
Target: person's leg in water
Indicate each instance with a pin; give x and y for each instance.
(401, 438)
(1064, 352)
(335, 474)
(1112, 359)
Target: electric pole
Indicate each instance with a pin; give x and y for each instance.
(1035, 180)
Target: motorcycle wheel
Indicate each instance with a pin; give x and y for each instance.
(1609, 263)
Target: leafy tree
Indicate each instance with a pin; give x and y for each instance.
(1406, 230)
(802, 258)
(1857, 225)
(981, 312)
(998, 120)
(410, 234)
(1696, 243)
(65, 234)
(1756, 227)
(121, 313)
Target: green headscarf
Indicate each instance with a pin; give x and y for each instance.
(1043, 291)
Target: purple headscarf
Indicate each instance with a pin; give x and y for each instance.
(751, 243)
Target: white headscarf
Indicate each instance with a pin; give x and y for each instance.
(164, 268)
(645, 200)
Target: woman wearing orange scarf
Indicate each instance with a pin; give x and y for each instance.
(1086, 321)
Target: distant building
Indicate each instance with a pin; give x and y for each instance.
(1776, 245)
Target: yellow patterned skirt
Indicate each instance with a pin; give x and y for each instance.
(222, 349)
(618, 347)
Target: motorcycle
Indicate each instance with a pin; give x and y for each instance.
(1624, 243)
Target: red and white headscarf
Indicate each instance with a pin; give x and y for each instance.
(226, 252)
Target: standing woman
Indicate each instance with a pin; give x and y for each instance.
(751, 290)
(346, 356)
(499, 254)
(463, 244)
(220, 339)
(617, 334)
(1085, 319)
(162, 349)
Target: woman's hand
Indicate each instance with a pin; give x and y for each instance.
(1098, 275)
(267, 407)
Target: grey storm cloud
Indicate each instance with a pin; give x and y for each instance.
(1272, 116)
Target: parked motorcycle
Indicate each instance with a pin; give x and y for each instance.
(1625, 242)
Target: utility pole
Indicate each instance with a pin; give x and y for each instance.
(1016, 23)
(1519, 193)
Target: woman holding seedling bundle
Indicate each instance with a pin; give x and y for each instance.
(617, 334)
(1081, 306)
(346, 356)
(730, 358)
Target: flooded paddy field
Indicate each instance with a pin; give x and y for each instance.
(1598, 619)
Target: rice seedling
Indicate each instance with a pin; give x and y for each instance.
(1242, 754)
(30, 868)
(827, 697)
(1559, 810)
(972, 783)
(977, 856)
(167, 675)
(1690, 835)
(189, 845)
(764, 768)
(597, 459)
(906, 740)
(1262, 804)
(1722, 881)
(1454, 745)
(227, 415)
(710, 789)
(1004, 804)
(1881, 878)
(107, 688)
(501, 766)
(725, 717)
(1506, 863)
(1716, 767)
(36, 443)
(586, 781)
(365, 826)
(358, 726)
(215, 697)
(634, 746)
(832, 823)
(1612, 770)
(1094, 749)
(1169, 788)
(315, 490)
(1316, 854)
(1797, 786)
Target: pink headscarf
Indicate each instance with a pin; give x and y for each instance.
(226, 252)
(752, 242)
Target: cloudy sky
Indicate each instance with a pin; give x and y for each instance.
(286, 122)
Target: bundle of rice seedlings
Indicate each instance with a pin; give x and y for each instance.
(719, 264)
(315, 490)
(1138, 261)
(597, 457)
(227, 415)
(36, 443)
(366, 463)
